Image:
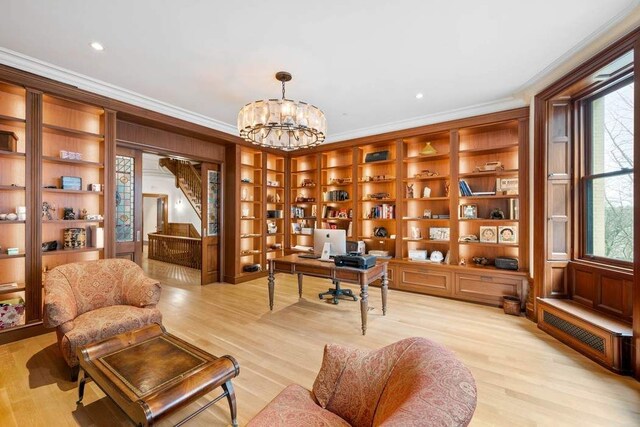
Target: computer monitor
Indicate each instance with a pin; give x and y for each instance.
(337, 239)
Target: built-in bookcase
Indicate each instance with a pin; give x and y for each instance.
(73, 150)
(377, 196)
(275, 206)
(429, 190)
(304, 202)
(252, 225)
(13, 182)
(426, 193)
(337, 190)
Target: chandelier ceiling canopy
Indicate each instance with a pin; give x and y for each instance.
(282, 123)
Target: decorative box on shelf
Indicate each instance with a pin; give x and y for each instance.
(8, 141)
(75, 238)
(11, 312)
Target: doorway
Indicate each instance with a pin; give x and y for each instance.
(168, 214)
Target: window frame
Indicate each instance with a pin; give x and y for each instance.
(583, 125)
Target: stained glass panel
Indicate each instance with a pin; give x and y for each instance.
(124, 198)
(213, 202)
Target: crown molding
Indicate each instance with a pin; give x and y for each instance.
(612, 30)
(445, 116)
(32, 65)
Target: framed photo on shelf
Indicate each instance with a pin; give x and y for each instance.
(469, 211)
(488, 234)
(426, 214)
(439, 233)
(508, 234)
(296, 228)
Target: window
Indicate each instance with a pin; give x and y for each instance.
(608, 179)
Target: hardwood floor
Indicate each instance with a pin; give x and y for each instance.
(524, 377)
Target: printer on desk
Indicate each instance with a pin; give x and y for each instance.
(355, 261)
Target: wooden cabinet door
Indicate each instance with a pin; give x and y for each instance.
(129, 204)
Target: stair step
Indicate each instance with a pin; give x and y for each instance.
(603, 338)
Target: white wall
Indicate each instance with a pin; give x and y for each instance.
(158, 181)
(149, 216)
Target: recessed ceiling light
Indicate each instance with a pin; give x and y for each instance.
(419, 96)
(97, 46)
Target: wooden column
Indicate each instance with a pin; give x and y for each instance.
(109, 183)
(33, 231)
(401, 173)
(454, 166)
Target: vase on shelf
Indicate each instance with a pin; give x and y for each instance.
(428, 150)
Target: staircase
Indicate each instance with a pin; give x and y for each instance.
(187, 179)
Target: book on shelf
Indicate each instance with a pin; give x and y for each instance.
(383, 211)
(483, 193)
(465, 190)
(514, 209)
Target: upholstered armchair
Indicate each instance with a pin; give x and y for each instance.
(90, 301)
(414, 382)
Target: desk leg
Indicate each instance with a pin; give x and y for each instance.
(364, 306)
(272, 281)
(231, 397)
(385, 288)
(300, 285)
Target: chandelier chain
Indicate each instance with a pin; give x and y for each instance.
(283, 90)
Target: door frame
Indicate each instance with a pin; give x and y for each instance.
(165, 211)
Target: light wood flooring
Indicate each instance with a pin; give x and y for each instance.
(524, 377)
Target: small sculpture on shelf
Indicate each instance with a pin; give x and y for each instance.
(306, 182)
(447, 188)
(428, 150)
(426, 173)
(410, 191)
(47, 211)
(83, 214)
(497, 213)
(68, 214)
(480, 260)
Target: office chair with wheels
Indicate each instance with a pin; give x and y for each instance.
(338, 292)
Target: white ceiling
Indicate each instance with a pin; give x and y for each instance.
(361, 61)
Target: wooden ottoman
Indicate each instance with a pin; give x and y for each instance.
(150, 373)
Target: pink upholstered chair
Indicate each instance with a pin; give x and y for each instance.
(90, 301)
(414, 382)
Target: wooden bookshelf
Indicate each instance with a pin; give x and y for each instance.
(275, 196)
(69, 128)
(13, 185)
(303, 215)
(435, 157)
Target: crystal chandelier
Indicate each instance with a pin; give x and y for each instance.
(282, 123)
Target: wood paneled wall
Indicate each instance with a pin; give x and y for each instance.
(161, 141)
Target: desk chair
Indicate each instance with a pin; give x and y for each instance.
(338, 292)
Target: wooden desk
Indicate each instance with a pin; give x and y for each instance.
(293, 264)
(150, 373)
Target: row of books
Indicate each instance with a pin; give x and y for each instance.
(335, 196)
(383, 211)
(465, 190)
(331, 212)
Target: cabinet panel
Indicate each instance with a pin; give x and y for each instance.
(426, 281)
(486, 288)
